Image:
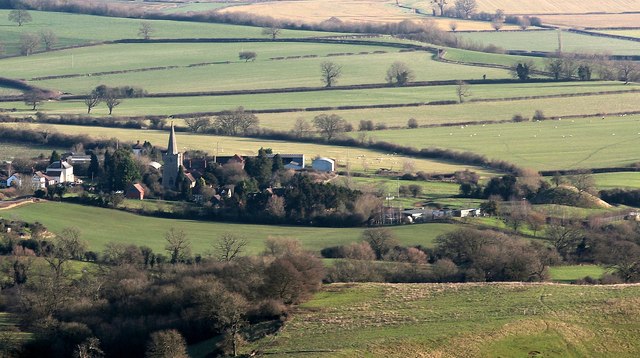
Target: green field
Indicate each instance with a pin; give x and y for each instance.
(617, 180)
(100, 226)
(546, 145)
(263, 72)
(467, 112)
(249, 146)
(548, 41)
(75, 29)
(630, 33)
(10, 150)
(576, 272)
(455, 54)
(462, 320)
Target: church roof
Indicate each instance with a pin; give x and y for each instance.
(172, 148)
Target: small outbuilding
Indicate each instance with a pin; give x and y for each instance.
(323, 164)
(135, 191)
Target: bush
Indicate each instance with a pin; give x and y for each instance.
(539, 115)
(412, 123)
(365, 125)
(519, 118)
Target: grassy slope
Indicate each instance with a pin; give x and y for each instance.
(249, 146)
(264, 73)
(101, 226)
(463, 320)
(617, 180)
(12, 150)
(574, 272)
(470, 111)
(583, 143)
(548, 41)
(74, 29)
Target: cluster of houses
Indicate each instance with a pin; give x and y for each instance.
(58, 172)
(392, 215)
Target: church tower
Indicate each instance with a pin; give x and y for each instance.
(172, 161)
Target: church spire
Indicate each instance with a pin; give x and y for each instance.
(172, 147)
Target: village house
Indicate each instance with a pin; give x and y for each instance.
(40, 180)
(135, 191)
(61, 172)
(12, 180)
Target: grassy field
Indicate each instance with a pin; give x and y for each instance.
(462, 320)
(455, 54)
(584, 143)
(467, 112)
(630, 33)
(10, 150)
(264, 73)
(249, 146)
(617, 180)
(575, 272)
(75, 29)
(548, 41)
(100, 226)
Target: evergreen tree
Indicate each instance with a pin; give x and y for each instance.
(120, 170)
(94, 166)
(180, 178)
(54, 157)
(277, 163)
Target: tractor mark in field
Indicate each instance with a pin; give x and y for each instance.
(601, 149)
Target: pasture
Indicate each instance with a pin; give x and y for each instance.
(100, 226)
(296, 102)
(467, 112)
(9, 150)
(548, 41)
(218, 75)
(629, 180)
(576, 272)
(545, 145)
(357, 159)
(77, 29)
(630, 33)
(456, 54)
(467, 320)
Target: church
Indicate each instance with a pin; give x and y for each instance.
(172, 161)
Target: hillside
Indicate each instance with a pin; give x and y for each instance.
(462, 320)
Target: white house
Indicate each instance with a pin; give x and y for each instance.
(324, 164)
(39, 180)
(61, 172)
(14, 180)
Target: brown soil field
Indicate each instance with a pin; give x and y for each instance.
(314, 11)
(594, 20)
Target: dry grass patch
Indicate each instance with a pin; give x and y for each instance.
(593, 20)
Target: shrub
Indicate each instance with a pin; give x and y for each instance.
(539, 115)
(412, 123)
(519, 118)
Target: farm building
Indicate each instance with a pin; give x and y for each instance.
(324, 164)
(40, 180)
(61, 172)
(463, 213)
(291, 161)
(13, 180)
(135, 191)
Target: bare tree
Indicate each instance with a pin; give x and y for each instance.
(197, 124)
(381, 241)
(329, 125)
(565, 238)
(228, 311)
(247, 56)
(497, 24)
(145, 30)
(271, 31)
(178, 246)
(112, 100)
(28, 43)
(462, 90)
(49, 39)
(440, 4)
(166, 344)
(466, 7)
(229, 247)
(91, 101)
(330, 72)
(301, 128)
(33, 98)
(583, 181)
(19, 16)
(399, 74)
(90, 348)
(236, 122)
(453, 26)
(628, 71)
(524, 23)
